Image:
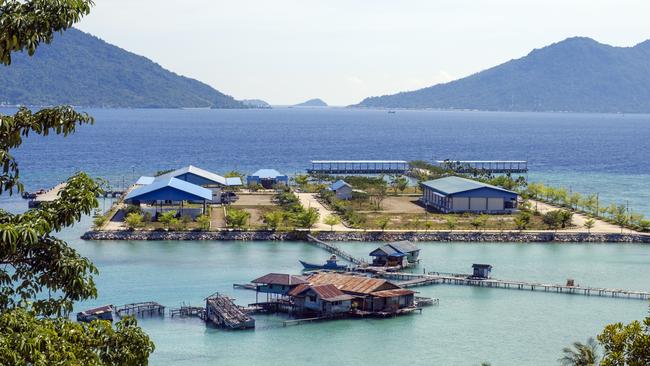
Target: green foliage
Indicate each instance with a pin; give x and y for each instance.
(307, 218)
(234, 174)
(522, 220)
(176, 224)
(204, 222)
(331, 220)
(236, 218)
(274, 219)
(134, 220)
(301, 179)
(26, 339)
(25, 24)
(451, 222)
(163, 172)
(589, 224)
(132, 209)
(166, 218)
(626, 344)
(479, 221)
(99, 221)
(644, 225)
(383, 222)
(399, 182)
(581, 354)
(57, 120)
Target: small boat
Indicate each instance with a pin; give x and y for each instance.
(330, 264)
(391, 112)
(103, 312)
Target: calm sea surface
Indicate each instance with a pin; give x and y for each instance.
(603, 153)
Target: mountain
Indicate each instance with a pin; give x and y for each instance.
(312, 103)
(80, 69)
(577, 74)
(255, 103)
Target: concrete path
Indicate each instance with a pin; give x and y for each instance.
(600, 226)
(308, 200)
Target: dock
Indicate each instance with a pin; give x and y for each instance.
(186, 311)
(433, 278)
(223, 312)
(141, 308)
(336, 251)
(358, 167)
(37, 198)
(488, 166)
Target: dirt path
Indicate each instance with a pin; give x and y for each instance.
(217, 219)
(308, 200)
(600, 226)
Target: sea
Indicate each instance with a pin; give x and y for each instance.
(603, 153)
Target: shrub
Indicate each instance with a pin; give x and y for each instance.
(204, 222)
(134, 220)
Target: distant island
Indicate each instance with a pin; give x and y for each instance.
(82, 70)
(255, 103)
(312, 103)
(575, 75)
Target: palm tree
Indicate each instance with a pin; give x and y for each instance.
(581, 354)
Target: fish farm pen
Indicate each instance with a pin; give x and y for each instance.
(488, 166)
(358, 167)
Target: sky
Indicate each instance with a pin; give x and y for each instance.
(288, 51)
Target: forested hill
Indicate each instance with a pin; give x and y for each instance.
(577, 74)
(80, 69)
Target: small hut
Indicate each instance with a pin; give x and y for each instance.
(323, 300)
(342, 190)
(401, 253)
(481, 271)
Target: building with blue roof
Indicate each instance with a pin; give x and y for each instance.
(169, 191)
(342, 190)
(456, 194)
(267, 178)
(399, 253)
(201, 177)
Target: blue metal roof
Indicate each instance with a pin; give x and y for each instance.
(202, 173)
(233, 181)
(169, 189)
(144, 180)
(453, 185)
(339, 184)
(267, 174)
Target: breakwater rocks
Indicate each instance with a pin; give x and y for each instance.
(435, 236)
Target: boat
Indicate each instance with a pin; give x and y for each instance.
(391, 112)
(330, 264)
(103, 313)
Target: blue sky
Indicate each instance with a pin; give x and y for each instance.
(286, 51)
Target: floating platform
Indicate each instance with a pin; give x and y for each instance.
(488, 166)
(223, 312)
(149, 308)
(358, 167)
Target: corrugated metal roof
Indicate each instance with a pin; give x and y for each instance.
(479, 265)
(267, 174)
(233, 181)
(326, 292)
(339, 184)
(404, 246)
(359, 161)
(144, 180)
(188, 190)
(216, 178)
(452, 185)
(354, 284)
(280, 279)
(393, 293)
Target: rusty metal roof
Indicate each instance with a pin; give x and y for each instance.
(393, 293)
(353, 284)
(296, 291)
(280, 279)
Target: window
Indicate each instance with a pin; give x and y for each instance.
(312, 298)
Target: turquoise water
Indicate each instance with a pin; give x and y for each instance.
(471, 325)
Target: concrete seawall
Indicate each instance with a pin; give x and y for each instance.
(435, 236)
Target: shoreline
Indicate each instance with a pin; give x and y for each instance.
(372, 236)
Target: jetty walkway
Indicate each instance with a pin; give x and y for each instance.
(434, 278)
(336, 250)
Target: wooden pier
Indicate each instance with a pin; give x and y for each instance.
(36, 199)
(488, 166)
(358, 167)
(222, 311)
(337, 251)
(141, 308)
(412, 280)
(186, 311)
